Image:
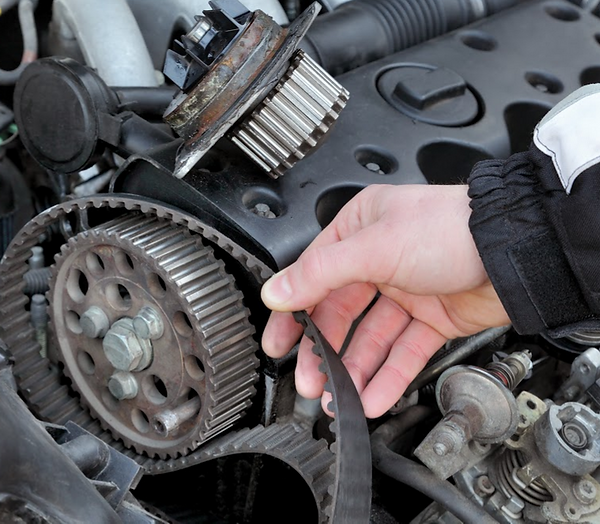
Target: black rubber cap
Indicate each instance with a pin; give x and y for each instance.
(58, 105)
(433, 95)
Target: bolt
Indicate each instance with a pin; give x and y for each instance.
(39, 311)
(571, 392)
(148, 324)
(202, 27)
(124, 349)
(376, 168)
(484, 487)
(94, 323)
(585, 491)
(448, 439)
(123, 385)
(166, 422)
(263, 210)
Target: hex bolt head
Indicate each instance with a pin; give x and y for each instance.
(94, 323)
(124, 349)
(585, 491)
(123, 385)
(148, 323)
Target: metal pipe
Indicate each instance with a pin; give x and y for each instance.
(30, 42)
(109, 38)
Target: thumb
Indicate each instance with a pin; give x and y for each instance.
(321, 270)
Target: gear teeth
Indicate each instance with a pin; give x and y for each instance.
(189, 267)
(293, 118)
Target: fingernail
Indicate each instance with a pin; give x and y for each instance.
(278, 290)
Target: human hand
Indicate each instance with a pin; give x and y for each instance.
(413, 245)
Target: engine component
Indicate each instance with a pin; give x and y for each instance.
(569, 437)
(152, 333)
(478, 406)
(232, 61)
(42, 385)
(417, 476)
(86, 107)
(115, 49)
(583, 380)
(373, 143)
(362, 31)
(38, 494)
(169, 17)
(352, 490)
(525, 480)
(293, 119)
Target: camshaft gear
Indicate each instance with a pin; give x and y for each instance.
(153, 334)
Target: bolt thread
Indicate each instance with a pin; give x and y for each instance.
(36, 281)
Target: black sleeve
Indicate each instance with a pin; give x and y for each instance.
(540, 240)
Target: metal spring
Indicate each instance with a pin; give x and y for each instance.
(536, 493)
(505, 373)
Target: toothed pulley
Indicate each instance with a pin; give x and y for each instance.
(153, 334)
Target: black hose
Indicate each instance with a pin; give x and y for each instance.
(417, 476)
(30, 42)
(145, 101)
(470, 346)
(362, 31)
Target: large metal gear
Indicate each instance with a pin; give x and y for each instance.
(152, 333)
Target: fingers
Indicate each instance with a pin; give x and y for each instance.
(334, 317)
(280, 334)
(371, 343)
(407, 358)
(373, 339)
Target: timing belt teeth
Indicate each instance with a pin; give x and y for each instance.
(293, 118)
(289, 443)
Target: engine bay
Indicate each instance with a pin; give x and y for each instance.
(159, 161)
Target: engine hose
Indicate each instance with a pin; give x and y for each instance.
(30, 42)
(417, 476)
(456, 355)
(362, 31)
